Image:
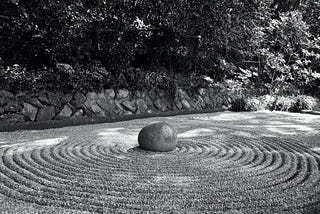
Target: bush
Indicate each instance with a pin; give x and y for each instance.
(247, 45)
(280, 103)
(253, 104)
(15, 78)
(88, 78)
(238, 104)
(287, 103)
(284, 104)
(266, 102)
(287, 52)
(303, 102)
(243, 104)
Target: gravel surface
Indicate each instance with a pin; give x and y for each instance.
(260, 162)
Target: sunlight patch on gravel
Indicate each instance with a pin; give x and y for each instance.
(36, 143)
(10, 145)
(46, 142)
(268, 135)
(196, 132)
(122, 157)
(104, 132)
(276, 122)
(118, 136)
(227, 117)
(316, 149)
(308, 118)
(252, 121)
(304, 118)
(173, 180)
(30, 145)
(241, 133)
(232, 116)
(290, 129)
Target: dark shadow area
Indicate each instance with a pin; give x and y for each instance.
(6, 127)
(138, 149)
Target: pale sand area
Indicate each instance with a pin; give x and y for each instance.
(263, 123)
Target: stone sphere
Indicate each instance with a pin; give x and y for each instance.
(158, 137)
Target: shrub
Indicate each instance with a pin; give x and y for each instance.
(284, 104)
(285, 49)
(303, 102)
(238, 104)
(15, 78)
(266, 102)
(279, 103)
(253, 104)
(246, 104)
(287, 103)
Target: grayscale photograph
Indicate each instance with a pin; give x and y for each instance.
(159, 107)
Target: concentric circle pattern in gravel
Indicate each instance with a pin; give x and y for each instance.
(212, 173)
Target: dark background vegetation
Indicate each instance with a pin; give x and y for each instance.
(137, 44)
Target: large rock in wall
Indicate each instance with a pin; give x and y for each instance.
(65, 113)
(29, 111)
(162, 101)
(78, 100)
(46, 113)
(109, 103)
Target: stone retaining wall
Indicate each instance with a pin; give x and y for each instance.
(45, 105)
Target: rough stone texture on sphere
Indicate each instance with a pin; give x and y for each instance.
(158, 137)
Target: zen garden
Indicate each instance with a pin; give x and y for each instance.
(158, 106)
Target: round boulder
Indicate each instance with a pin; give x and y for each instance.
(158, 137)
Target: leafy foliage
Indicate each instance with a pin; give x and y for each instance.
(285, 50)
(303, 102)
(246, 104)
(238, 104)
(277, 103)
(119, 43)
(283, 103)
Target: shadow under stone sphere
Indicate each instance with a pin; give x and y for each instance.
(158, 137)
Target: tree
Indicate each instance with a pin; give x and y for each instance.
(286, 49)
